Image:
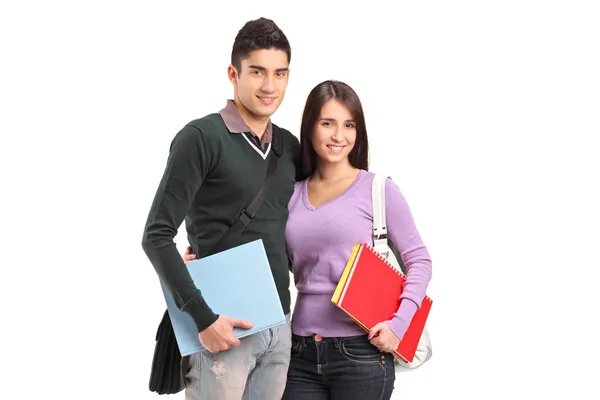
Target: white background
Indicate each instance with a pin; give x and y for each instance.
(485, 113)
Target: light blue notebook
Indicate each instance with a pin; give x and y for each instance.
(236, 283)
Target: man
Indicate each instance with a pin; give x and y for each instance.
(216, 166)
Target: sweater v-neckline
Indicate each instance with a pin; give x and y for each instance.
(311, 207)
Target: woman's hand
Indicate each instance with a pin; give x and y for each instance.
(382, 337)
(188, 255)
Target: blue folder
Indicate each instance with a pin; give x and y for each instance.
(237, 283)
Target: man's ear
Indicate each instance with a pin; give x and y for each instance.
(232, 73)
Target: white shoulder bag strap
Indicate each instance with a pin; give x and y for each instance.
(380, 244)
(380, 234)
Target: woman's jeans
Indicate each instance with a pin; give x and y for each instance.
(338, 368)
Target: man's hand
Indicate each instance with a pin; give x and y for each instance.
(219, 336)
(188, 255)
(382, 337)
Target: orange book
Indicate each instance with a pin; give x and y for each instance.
(369, 292)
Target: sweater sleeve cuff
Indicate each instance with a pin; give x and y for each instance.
(402, 318)
(200, 312)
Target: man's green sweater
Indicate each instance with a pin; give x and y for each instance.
(210, 177)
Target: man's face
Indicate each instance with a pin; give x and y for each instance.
(261, 82)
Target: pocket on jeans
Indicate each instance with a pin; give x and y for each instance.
(360, 351)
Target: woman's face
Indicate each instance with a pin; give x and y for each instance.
(335, 133)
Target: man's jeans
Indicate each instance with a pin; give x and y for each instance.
(254, 370)
(338, 368)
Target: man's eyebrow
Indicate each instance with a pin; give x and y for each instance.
(264, 69)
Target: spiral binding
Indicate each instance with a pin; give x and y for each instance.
(385, 260)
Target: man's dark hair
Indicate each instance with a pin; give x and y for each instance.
(258, 34)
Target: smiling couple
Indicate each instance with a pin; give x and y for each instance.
(317, 208)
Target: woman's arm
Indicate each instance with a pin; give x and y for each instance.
(404, 234)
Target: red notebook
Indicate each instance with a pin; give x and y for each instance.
(369, 292)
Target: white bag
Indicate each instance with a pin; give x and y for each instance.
(380, 244)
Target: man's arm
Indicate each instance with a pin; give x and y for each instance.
(187, 166)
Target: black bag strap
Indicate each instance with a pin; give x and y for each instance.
(247, 214)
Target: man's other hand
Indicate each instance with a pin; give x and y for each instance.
(219, 336)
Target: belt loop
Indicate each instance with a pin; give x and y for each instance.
(336, 342)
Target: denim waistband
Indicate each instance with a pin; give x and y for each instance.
(334, 339)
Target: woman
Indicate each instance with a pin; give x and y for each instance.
(329, 212)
